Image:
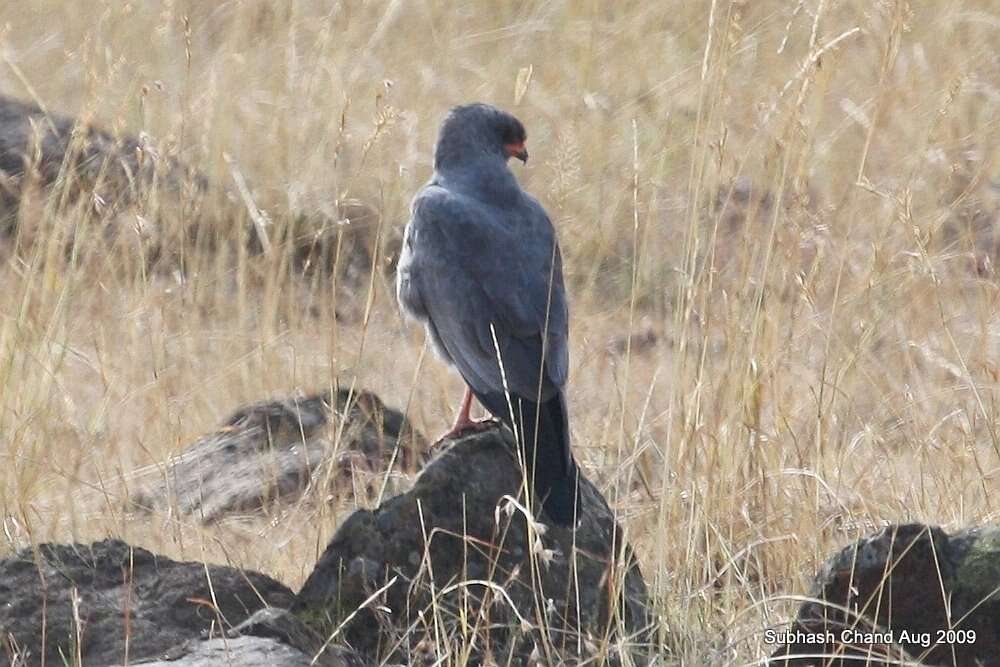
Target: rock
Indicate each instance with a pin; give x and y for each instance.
(113, 178)
(272, 637)
(242, 651)
(447, 561)
(970, 211)
(342, 241)
(739, 203)
(59, 601)
(154, 207)
(274, 450)
(281, 625)
(452, 568)
(905, 582)
(643, 339)
(744, 210)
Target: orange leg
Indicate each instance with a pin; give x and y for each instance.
(463, 421)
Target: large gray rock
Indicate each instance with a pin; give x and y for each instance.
(272, 637)
(931, 597)
(238, 652)
(60, 601)
(445, 566)
(273, 451)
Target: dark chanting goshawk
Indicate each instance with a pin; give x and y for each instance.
(481, 269)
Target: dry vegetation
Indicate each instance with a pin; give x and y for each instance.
(790, 205)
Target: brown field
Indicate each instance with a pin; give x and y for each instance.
(789, 204)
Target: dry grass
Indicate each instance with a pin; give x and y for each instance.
(800, 374)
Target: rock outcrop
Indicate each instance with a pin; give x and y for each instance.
(454, 564)
(455, 569)
(108, 603)
(907, 593)
(273, 451)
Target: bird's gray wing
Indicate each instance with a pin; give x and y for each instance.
(473, 267)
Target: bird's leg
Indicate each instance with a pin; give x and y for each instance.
(463, 419)
(463, 422)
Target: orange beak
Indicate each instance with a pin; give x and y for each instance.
(517, 150)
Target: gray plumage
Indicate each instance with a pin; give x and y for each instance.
(480, 251)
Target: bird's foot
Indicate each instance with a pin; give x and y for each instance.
(466, 426)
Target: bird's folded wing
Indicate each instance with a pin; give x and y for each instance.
(476, 272)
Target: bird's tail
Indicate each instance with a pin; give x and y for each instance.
(543, 432)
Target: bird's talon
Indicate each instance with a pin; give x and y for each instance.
(471, 426)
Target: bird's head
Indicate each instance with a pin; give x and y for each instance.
(472, 130)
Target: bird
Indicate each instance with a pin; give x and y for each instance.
(481, 269)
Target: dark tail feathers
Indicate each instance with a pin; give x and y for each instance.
(550, 465)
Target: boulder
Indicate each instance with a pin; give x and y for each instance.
(455, 564)
(909, 592)
(156, 208)
(272, 637)
(242, 651)
(273, 451)
(107, 603)
(110, 178)
(455, 570)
